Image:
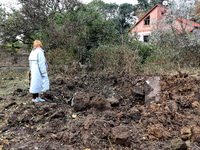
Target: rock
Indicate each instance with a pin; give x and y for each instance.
(57, 114)
(135, 114)
(195, 104)
(195, 134)
(154, 107)
(46, 108)
(121, 115)
(121, 135)
(53, 105)
(113, 101)
(81, 101)
(178, 144)
(184, 101)
(158, 131)
(185, 133)
(23, 117)
(99, 102)
(138, 92)
(38, 119)
(138, 89)
(155, 131)
(197, 111)
(197, 94)
(69, 137)
(85, 138)
(3, 127)
(43, 132)
(192, 146)
(88, 122)
(57, 136)
(171, 107)
(152, 90)
(109, 115)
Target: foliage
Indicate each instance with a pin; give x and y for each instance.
(182, 46)
(91, 31)
(196, 13)
(146, 5)
(32, 20)
(145, 51)
(114, 58)
(66, 25)
(122, 15)
(107, 10)
(95, 33)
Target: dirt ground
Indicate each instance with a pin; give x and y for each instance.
(106, 114)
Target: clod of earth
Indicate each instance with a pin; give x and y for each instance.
(110, 111)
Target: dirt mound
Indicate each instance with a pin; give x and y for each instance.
(102, 111)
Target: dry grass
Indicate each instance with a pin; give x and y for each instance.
(12, 80)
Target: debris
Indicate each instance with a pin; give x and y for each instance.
(178, 144)
(72, 101)
(152, 90)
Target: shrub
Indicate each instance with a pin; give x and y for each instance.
(114, 58)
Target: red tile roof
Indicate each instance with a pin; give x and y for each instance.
(189, 22)
(144, 16)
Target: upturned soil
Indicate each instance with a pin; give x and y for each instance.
(105, 115)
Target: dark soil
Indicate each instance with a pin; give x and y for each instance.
(105, 115)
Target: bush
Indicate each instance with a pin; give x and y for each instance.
(145, 50)
(114, 58)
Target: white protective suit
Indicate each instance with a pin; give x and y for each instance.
(39, 77)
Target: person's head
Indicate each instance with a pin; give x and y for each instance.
(37, 43)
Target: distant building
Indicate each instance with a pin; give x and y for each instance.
(145, 25)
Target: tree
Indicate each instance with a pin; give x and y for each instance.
(196, 13)
(93, 29)
(33, 19)
(154, 2)
(121, 15)
(107, 10)
(126, 14)
(146, 5)
(143, 5)
(173, 33)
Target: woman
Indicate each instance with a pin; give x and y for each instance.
(39, 77)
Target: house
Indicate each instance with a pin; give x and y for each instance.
(146, 24)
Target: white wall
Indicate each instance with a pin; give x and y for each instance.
(142, 34)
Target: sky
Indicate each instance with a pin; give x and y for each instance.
(14, 2)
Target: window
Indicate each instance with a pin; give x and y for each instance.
(146, 38)
(147, 21)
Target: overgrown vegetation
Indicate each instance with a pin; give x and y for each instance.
(96, 34)
(178, 42)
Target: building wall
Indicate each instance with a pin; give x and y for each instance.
(142, 34)
(9, 58)
(144, 30)
(156, 16)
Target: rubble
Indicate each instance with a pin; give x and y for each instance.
(109, 111)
